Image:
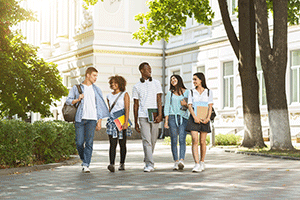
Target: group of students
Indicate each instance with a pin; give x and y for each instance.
(180, 117)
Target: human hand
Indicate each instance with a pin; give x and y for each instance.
(125, 126)
(158, 119)
(205, 121)
(166, 124)
(197, 120)
(81, 96)
(183, 103)
(137, 127)
(98, 127)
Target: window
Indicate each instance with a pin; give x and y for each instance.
(295, 76)
(68, 81)
(228, 84)
(177, 72)
(233, 6)
(261, 82)
(201, 69)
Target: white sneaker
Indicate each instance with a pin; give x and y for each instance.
(202, 166)
(85, 169)
(197, 168)
(175, 166)
(149, 169)
(180, 165)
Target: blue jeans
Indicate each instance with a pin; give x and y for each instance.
(175, 130)
(85, 131)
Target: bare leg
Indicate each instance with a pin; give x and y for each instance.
(195, 146)
(203, 145)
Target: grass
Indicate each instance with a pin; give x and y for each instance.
(266, 150)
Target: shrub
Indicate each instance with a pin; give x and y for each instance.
(16, 143)
(53, 140)
(167, 140)
(227, 139)
(220, 139)
(23, 144)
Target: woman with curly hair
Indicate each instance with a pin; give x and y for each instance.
(118, 101)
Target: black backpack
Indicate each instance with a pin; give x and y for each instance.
(213, 113)
(69, 111)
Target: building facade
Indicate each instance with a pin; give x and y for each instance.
(75, 38)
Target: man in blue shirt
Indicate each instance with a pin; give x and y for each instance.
(89, 115)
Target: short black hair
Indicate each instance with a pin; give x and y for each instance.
(142, 65)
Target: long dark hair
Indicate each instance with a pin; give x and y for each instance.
(178, 88)
(201, 76)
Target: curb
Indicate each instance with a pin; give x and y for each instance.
(261, 154)
(73, 160)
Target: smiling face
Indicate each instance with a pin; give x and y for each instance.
(174, 81)
(196, 81)
(92, 77)
(114, 85)
(146, 72)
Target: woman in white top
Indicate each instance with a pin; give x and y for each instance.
(201, 95)
(118, 101)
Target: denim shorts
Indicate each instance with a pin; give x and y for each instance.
(192, 126)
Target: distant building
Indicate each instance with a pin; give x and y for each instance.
(75, 38)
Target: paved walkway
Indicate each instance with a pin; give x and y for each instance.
(227, 176)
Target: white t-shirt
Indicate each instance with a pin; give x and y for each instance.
(203, 97)
(89, 106)
(146, 93)
(120, 102)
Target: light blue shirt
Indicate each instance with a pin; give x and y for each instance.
(102, 110)
(174, 108)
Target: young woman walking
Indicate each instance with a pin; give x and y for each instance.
(118, 100)
(201, 94)
(176, 117)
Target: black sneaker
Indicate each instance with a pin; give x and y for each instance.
(111, 168)
(122, 167)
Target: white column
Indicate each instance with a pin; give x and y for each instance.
(63, 25)
(63, 18)
(45, 28)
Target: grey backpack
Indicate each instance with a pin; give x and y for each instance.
(69, 111)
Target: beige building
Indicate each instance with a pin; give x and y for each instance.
(75, 38)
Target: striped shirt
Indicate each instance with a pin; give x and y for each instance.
(146, 93)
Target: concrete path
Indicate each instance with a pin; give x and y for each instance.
(227, 176)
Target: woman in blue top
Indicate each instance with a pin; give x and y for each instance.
(176, 117)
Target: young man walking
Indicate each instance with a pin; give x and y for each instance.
(147, 94)
(91, 110)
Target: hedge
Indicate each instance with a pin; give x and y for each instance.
(24, 144)
(220, 140)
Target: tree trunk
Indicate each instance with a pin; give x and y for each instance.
(274, 63)
(245, 52)
(248, 73)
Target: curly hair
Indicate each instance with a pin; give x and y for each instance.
(120, 80)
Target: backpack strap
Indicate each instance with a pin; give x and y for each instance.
(80, 92)
(79, 88)
(112, 106)
(171, 97)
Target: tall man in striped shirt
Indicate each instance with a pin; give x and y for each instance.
(147, 93)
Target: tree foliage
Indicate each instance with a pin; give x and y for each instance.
(27, 83)
(167, 17)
